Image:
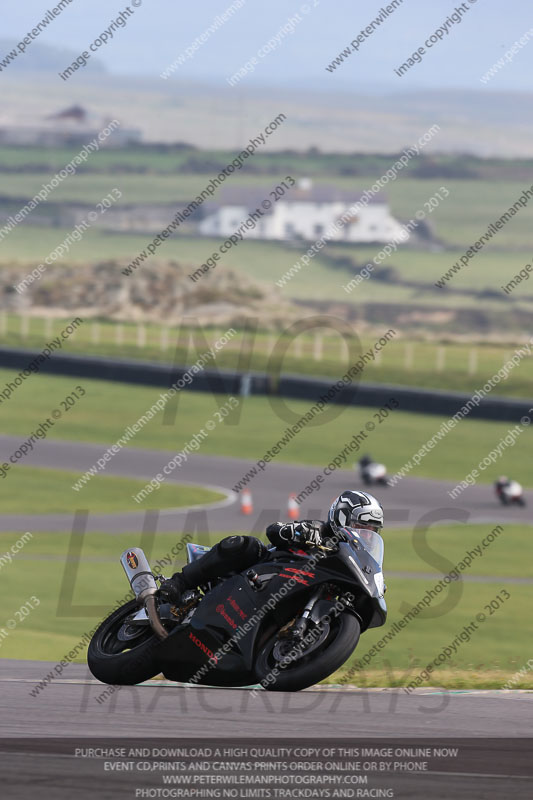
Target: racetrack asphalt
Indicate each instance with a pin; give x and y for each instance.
(71, 709)
(68, 706)
(411, 501)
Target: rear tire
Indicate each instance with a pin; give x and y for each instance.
(117, 656)
(334, 651)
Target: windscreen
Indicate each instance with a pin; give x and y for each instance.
(371, 541)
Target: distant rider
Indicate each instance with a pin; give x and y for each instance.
(502, 483)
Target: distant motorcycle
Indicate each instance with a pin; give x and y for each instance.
(373, 473)
(509, 493)
(288, 623)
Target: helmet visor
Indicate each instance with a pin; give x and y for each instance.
(355, 518)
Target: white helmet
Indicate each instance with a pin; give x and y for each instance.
(354, 508)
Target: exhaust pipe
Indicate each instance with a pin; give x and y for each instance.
(140, 577)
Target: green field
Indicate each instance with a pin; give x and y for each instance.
(28, 490)
(493, 655)
(497, 648)
(162, 159)
(473, 305)
(451, 366)
(267, 262)
(484, 200)
(109, 407)
(480, 191)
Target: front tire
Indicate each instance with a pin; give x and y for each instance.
(337, 647)
(121, 654)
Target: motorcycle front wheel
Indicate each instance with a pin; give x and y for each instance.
(123, 654)
(283, 665)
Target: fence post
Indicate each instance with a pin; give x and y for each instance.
(440, 359)
(409, 355)
(24, 325)
(317, 347)
(3, 322)
(163, 338)
(344, 351)
(141, 335)
(48, 327)
(95, 333)
(119, 334)
(472, 361)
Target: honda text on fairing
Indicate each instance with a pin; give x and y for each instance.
(373, 473)
(287, 623)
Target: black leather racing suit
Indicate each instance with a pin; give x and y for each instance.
(236, 553)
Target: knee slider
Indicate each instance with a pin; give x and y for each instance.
(232, 545)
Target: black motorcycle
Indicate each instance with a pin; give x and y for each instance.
(286, 624)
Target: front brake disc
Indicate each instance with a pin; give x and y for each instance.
(293, 649)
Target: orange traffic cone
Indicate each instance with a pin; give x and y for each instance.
(293, 507)
(247, 506)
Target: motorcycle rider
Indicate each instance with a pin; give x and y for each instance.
(351, 509)
(509, 491)
(502, 483)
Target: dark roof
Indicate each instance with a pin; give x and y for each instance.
(319, 193)
(74, 112)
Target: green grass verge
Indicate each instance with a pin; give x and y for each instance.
(108, 408)
(494, 653)
(28, 490)
(41, 567)
(446, 546)
(499, 644)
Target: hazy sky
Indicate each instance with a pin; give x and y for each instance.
(161, 29)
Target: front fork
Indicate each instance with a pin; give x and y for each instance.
(311, 613)
(300, 626)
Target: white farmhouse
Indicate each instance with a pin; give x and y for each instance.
(305, 213)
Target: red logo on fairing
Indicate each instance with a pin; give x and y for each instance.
(297, 575)
(223, 613)
(203, 647)
(236, 607)
(300, 572)
(133, 561)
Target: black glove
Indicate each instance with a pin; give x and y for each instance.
(306, 532)
(171, 590)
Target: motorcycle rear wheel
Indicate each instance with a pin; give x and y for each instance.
(339, 644)
(123, 655)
